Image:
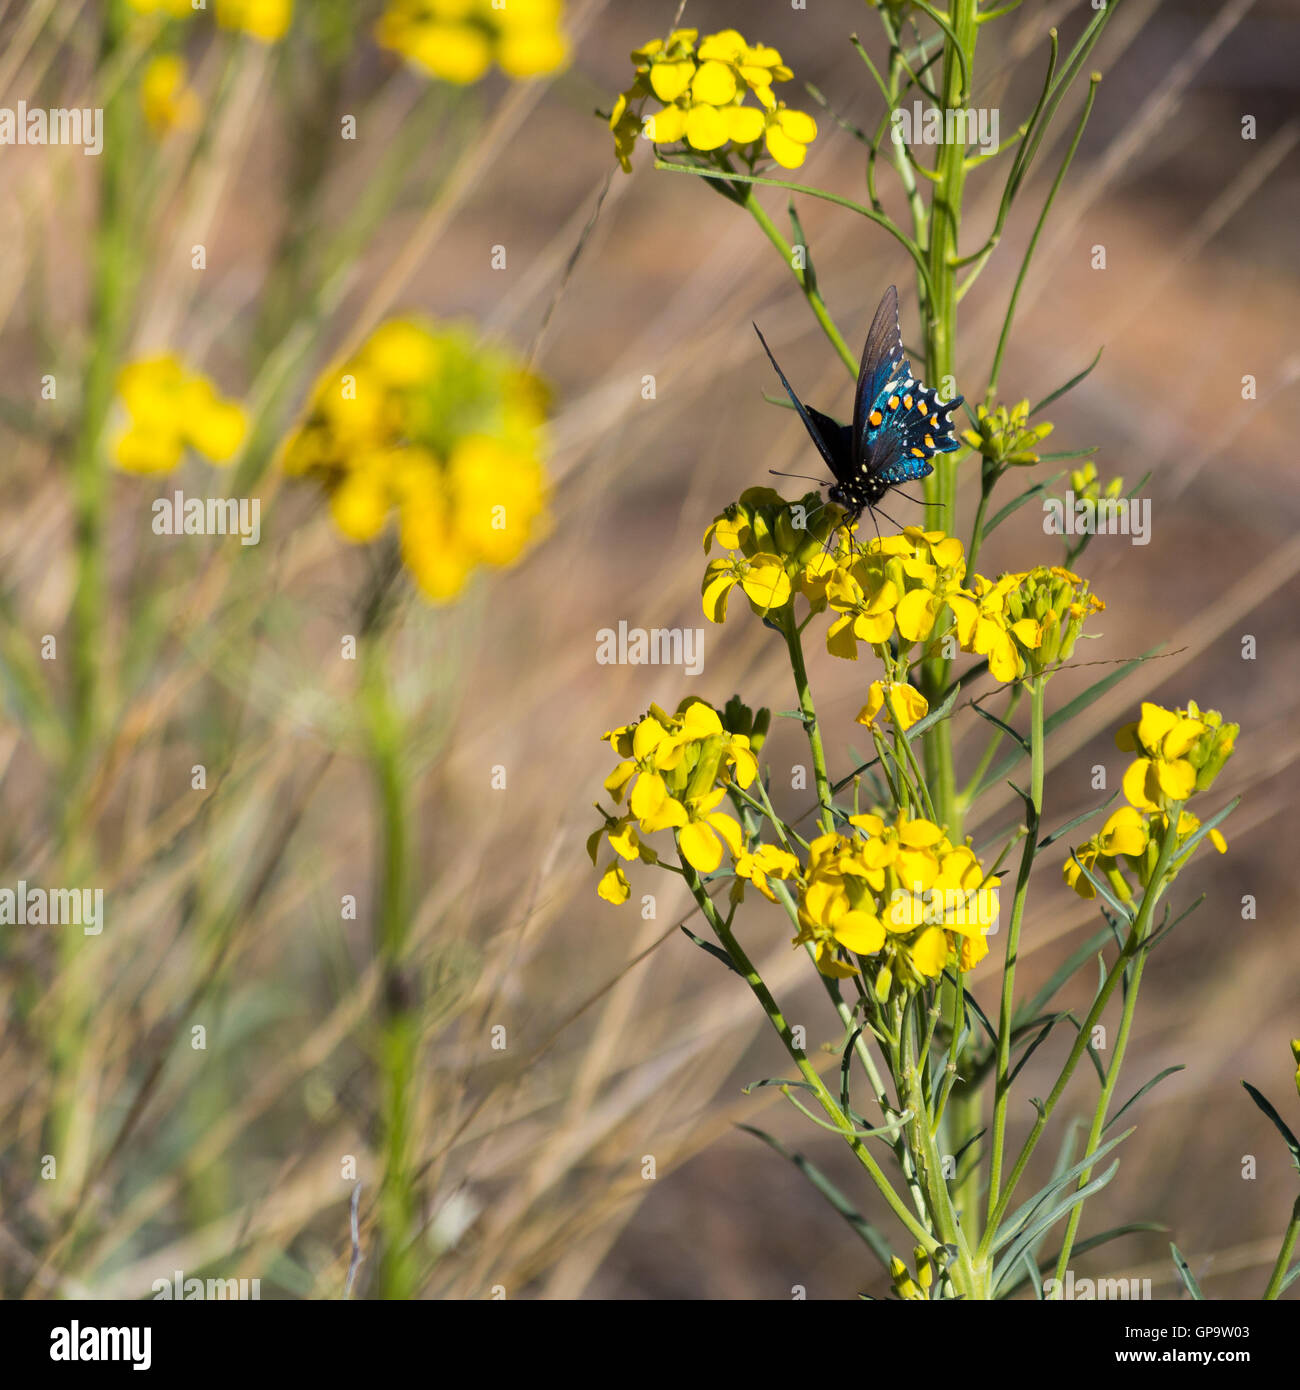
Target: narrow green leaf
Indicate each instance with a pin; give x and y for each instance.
(874, 1241)
(1014, 1224)
(1140, 1092)
(1017, 502)
(1049, 1219)
(715, 951)
(1078, 820)
(1291, 1141)
(1064, 972)
(1069, 386)
(1185, 1273)
(1001, 724)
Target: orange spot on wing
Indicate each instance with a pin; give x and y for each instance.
(875, 418)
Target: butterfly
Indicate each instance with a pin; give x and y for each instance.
(898, 424)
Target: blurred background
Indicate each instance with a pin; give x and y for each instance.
(621, 1039)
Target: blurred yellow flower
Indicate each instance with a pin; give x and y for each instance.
(458, 40)
(265, 20)
(166, 99)
(426, 424)
(170, 409)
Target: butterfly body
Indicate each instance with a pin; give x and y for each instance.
(898, 424)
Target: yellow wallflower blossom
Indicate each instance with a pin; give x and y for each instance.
(459, 40)
(171, 409)
(674, 772)
(697, 96)
(166, 99)
(1181, 753)
(426, 425)
(782, 551)
(900, 891)
(265, 20)
(910, 704)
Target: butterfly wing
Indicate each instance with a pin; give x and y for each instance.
(907, 425)
(833, 440)
(882, 361)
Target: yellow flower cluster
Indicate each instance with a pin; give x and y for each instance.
(1005, 438)
(670, 773)
(893, 593)
(166, 98)
(898, 891)
(779, 548)
(1086, 485)
(427, 423)
(1182, 752)
(171, 409)
(458, 40)
(898, 585)
(696, 95)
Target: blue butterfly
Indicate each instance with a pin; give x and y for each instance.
(898, 424)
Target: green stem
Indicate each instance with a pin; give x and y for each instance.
(1121, 1039)
(794, 643)
(811, 293)
(758, 987)
(399, 1024)
(1133, 944)
(1002, 1087)
(1284, 1255)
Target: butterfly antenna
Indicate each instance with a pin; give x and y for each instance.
(808, 477)
(920, 501)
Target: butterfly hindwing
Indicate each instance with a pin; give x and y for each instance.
(913, 425)
(832, 439)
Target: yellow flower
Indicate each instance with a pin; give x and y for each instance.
(900, 891)
(166, 100)
(781, 544)
(982, 626)
(697, 96)
(910, 704)
(425, 425)
(707, 831)
(1051, 604)
(677, 769)
(170, 409)
(764, 862)
(458, 40)
(265, 20)
(1181, 752)
(787, 135)
(1005, 438)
